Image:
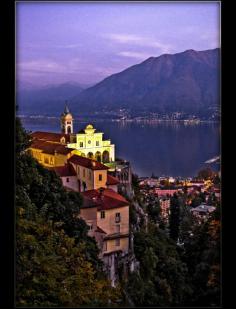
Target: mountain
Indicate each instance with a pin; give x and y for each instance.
(186, 82)
(48, 99)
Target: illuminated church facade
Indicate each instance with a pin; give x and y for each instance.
(87, 142)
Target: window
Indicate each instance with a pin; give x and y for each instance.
(68, 122)
(117, 228)
(117, 241)
(46, 160)
(102, 214)
(84, 172)
(81, 144)
(105, 246)
(51, 161)
(90, 175)
(100, 177)
(67, 179)
(97, 143)
(117, 218)
(90, 227)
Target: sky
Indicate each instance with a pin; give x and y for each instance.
(59, 42)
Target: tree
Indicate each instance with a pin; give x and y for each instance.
(153, 210)
(161, 280)
(206, 173)
(174, 219)
(57, 263)
(202, 256)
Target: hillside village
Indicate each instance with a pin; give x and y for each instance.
(87, 164)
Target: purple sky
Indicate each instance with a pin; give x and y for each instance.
(86, 42)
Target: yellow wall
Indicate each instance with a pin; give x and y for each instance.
(53, 160)
(104, 145)
(90, 216)
(100, 183)
(108, 223)
(111, 245)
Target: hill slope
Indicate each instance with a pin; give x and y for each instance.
(187, 82)
(45, 100)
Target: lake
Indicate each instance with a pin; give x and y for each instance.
(161, 148)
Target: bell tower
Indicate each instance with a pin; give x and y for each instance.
(66, 121)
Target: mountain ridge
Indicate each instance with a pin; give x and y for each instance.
(186, 81)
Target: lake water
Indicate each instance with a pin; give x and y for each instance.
(165, 148)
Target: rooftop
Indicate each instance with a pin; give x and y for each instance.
(107, 199)
(49, 136)
(65, 171)
(111, 180)
(50, 147)
(88, 163)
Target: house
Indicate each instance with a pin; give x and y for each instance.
(68, 176)
(91, 174)
(107, 214)
(49, 153)
(165, 208)
(202, 211)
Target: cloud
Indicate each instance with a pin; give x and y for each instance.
(136, 55)
(140, 41)
(41, 66)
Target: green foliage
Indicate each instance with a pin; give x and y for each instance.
(162, 277)
(153, 210)
(56, 261)
(206, 173)
(202, 255)
(174, 220)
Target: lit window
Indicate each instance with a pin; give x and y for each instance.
(102, 214)
(100, 177)
(97, 143)
(117, 218)
(117, 241)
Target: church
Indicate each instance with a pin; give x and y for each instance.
(83, 162)
(53, 149)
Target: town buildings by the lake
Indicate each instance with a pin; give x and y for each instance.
(87, 163)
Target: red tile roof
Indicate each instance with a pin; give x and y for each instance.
(50, 148)
(51, 137)
(88, 163)
(65, 171)
(112, 180)
(109, 199)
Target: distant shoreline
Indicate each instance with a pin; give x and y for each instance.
(79, 118)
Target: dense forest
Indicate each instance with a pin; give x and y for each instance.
(57, 262)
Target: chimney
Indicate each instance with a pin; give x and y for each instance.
(101, 193)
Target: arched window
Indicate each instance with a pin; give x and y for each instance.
(68, 129)
(105, 157)
(98, 156)
(90, 155)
